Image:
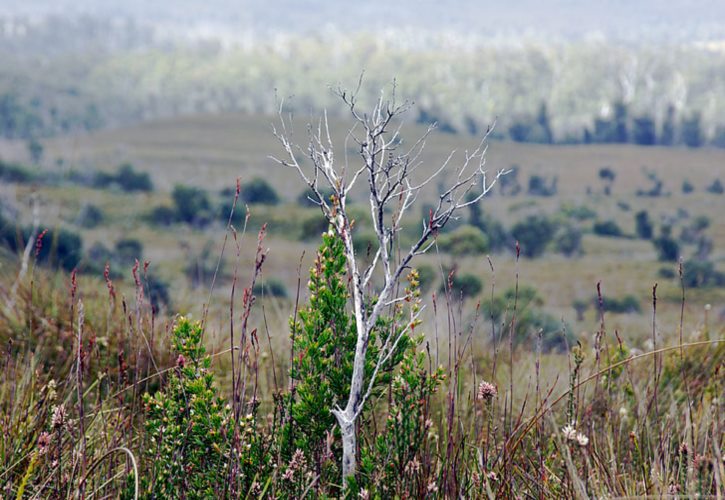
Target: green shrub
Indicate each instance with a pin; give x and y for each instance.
(128, 250)
(494, 231)
(271, 288)
(716, 187)
(643, 225)
(687, 187)
(406, 439)
(701, 273)
(164, 215)
(259, 191)
(126, 178)
(667, 248)
(201, 267)
(607, 228)
(577, 212)
(626, 305)
(465, 240)
(365, 243)
(666, 273)
(323, 339)
(533, 234)
(313, 226)
(103, 180)
(530, 319)
(308, 199)
(568, 241)
(129, 180)
(157, 290)
(57, 247)
(539, 186)
(187, 424)
(89, 216)
(427, 277)
(192, 205)
(13, 172)
(463, 286)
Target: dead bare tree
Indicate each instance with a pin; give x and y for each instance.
(390, 170)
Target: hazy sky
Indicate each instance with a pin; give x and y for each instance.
(631, 19)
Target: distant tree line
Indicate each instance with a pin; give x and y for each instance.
(23, 117)
(621, 126)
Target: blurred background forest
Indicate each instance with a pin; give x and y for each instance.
(128, 123)
(128, 131)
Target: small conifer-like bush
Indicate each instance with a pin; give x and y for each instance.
(187, 424)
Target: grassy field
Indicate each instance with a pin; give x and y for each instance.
(211, 152)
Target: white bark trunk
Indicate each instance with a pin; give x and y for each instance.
(349, 447)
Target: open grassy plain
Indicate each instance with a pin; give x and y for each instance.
(631, 455)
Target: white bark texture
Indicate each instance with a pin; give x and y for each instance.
(392, 188)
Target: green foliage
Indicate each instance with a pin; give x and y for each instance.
(323, 340)
(494, 231)
(192, 205)
(186, 424)
(128, 250)
(271, 288)
(464, 285)
(13, 172)
(157, 290)
(666, 273)
(313, 226)
(164, 215)
(568, 241)
(540, 186)
(308, 199)
(131, 180)
(57, 247)
(35, 150)
(89, 216)
(656, 185)
(391, 464)
(577, 212)
(201, 267)
(667, 248)
(259, 191)
(127, 178)
(426, 277)
(643, 225)
(701, 273)
(465, 240)
(716, 187)
(644, 131)
(529, 320)
(691, 130)
(607, 228)
(532, 129)
(626, 305)
(533, 234)
(687, 187)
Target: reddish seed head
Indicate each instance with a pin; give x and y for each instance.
(134, 271)
(39, 242)
(73, 283)
(518, 250)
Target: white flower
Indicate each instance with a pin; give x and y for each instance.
(582, 439)
(569, 432)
